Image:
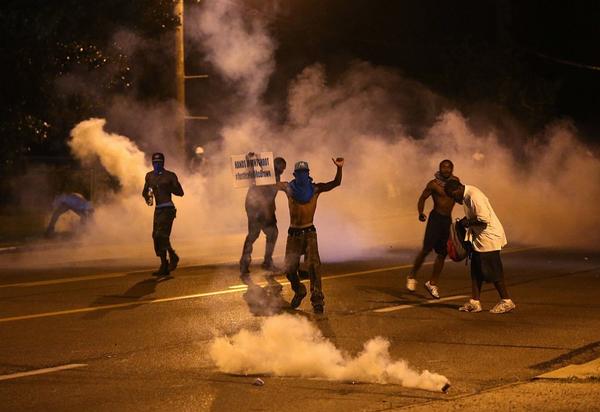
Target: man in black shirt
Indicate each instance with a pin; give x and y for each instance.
(160, 184)
(260, 209)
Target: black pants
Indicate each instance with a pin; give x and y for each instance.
(437, 233)
(161, 229)
(487, 266)
(256, 224)
(304, 242)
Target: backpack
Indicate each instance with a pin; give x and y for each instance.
(458, 248)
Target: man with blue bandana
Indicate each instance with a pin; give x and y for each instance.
(302, 196)
(160, 184)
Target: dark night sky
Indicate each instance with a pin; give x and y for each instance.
(503, 53)
(462, 49)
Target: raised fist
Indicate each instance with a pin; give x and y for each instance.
(338, 161)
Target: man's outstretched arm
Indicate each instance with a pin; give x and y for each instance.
(337, 180)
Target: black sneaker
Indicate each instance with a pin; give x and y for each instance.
(297, 299)
(162, 271)
(173, 261)
(318, 309)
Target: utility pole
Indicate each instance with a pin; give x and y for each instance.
(180, 79)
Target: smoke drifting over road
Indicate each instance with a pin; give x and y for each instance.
(541, 190)
(288, 345)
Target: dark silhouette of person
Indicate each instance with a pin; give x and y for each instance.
(160, 185)
(260, 210)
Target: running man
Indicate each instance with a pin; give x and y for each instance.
(160, 184)
(260, 209)
(302, 196)
(437, 230)
(487, 236)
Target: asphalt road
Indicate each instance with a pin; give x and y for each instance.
(97, 336)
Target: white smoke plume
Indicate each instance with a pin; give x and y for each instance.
(117, 154)
(288, 345)
(541, 191)
(239, 47)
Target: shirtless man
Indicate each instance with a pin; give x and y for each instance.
(160, 184)
(302, 196)
(437, 230)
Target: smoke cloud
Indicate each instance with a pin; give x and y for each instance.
(393, 132)
(117, 154)
(288, 345)
(239, 47)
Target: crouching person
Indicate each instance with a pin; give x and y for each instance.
(487, 236)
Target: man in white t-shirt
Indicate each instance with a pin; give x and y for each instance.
(486, 234)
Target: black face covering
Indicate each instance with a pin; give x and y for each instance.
(158, 167)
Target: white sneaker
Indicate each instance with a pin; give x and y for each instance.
(505, 305)
(471, 306)
(432, 289)
(411, 284)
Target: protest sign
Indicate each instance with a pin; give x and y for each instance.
(253, 169)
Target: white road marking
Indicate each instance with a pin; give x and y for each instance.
(215, 293)
(589, 370)
(177, 298)
(422, 303)
(41, 371)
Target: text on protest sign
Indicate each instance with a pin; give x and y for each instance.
(253, 169)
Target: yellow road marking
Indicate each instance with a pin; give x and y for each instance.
(41, 371)
(201, 295)
(95, 277)
(66, 280)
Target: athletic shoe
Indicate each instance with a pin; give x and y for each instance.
(173, 261)
(298, 296)
(471, 306)
(318, 309)
(411, 284)
(505, 305)
(432, 289)
(162, 271)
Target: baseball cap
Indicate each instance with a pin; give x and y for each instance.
(301, 165)
(158, 157)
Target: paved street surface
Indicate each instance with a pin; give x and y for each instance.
(104, 335)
